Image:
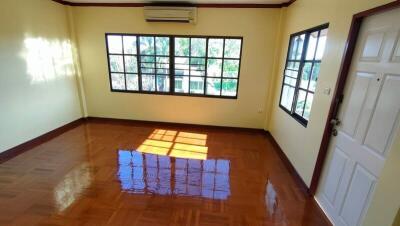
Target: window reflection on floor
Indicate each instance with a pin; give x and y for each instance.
(72, 186)
(271, 199)
(144, 173)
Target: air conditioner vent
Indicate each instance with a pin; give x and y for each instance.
(170, 14)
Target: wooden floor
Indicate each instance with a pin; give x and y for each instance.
(115, 174)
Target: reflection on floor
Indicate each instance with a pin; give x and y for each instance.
(125, 175)
(72, 186)
(176, 144)
(156, 174)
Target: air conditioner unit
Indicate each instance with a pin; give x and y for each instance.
(170, 14)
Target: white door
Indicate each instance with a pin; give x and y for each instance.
(370, 119)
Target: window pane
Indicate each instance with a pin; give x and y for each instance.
(162, 46)
(162, 71)
(148, 82)
(131, 64)
(181, 72)
(291, 73)
(114, 44)
(307, 110)
(229, 87)
(130, 45)
(132, 82)
(305, 75)
(314, 76)
(162, 60)
(117, 81)
(197, 73)
(182, 84)
(162, 65)
(312, 45)
(147, 65)
(290, 81)
(116, 63)
(301, 99)
(147, 59)
(214, 67)
(197, 85)
(296, 47)
(213, 86)
(198, 46)
(287, 97)
(293, 65)
(146, 45)
(198, 61)
(148, 70)
(163, 83)
(182, 63)
(197, 66)
(231, 68)
(321, 44)
(182, 46)
(215, 47)
(181, 66)
(232, 48)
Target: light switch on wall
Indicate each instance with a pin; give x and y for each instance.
(327, 91)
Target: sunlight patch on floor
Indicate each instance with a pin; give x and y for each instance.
(176, 144)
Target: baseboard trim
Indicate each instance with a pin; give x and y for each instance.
(296, 176)
(26, 146)
(168, 124)
(15, 151)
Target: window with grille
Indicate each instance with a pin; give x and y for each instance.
(175, 65)
(303, 63)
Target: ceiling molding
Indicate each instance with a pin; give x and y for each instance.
(201, 5)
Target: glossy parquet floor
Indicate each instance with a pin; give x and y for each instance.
(115, 174)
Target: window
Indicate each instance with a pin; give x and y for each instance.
(303, 62)
(174, 65)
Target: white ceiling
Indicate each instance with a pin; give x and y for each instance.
(191, 1)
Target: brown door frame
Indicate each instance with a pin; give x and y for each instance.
(340, 85)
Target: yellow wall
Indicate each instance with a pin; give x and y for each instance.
(38, 91)
(386, 200)
(257, 26)
(43, 97)
(301, 144)
(397, 220)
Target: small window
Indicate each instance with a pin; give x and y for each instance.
(175, 65)
(303, 63)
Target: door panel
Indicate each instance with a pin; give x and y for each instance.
(335, 174)
(371, 115)
(361, 104)
(386, 115)
(357, 101)
(396, 52)
(372, 49)
(357, 196)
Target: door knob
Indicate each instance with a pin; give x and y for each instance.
(335, 121)
(334, 132)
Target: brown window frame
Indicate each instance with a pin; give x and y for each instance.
(172, 75)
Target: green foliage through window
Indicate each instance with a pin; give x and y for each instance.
(185, 65)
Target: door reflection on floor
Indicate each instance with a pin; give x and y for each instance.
(143, 173)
